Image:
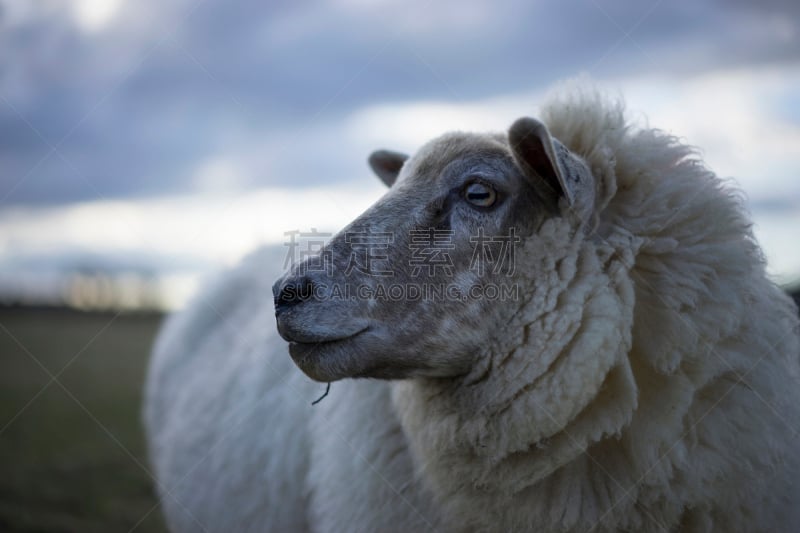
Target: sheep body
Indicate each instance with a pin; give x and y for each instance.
(647, 383)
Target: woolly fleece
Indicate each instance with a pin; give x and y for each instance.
(648, 382)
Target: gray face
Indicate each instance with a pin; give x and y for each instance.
(422, 281)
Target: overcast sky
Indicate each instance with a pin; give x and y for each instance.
(115, 99)
(155, 133)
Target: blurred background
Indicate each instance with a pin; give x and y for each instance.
(145, 145)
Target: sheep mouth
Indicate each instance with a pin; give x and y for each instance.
(307, 348)
(315, 331)
(310, 339)
(318, 359)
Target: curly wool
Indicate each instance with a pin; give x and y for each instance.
(645, 394)
(648, 382)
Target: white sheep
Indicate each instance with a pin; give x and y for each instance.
(643, 376)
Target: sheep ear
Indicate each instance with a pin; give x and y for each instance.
(387, 164)
(537, 155)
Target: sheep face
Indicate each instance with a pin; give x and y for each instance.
(425, 278)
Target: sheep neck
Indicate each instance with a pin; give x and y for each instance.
(555, 380)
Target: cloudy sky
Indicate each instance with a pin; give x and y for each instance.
(183, 132)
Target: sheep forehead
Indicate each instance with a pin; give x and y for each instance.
(426, 165)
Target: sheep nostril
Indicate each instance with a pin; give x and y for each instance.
(293, 292)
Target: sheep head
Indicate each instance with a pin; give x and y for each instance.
(421, 282)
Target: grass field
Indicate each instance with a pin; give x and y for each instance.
(72, 454)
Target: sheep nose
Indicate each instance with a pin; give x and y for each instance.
(291, 292)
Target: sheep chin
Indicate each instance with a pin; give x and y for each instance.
(362, 355)
(324, 361)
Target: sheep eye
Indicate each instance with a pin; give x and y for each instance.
(480, 194)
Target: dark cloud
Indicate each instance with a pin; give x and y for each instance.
(135, 107)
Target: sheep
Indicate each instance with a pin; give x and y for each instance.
(639, 373)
